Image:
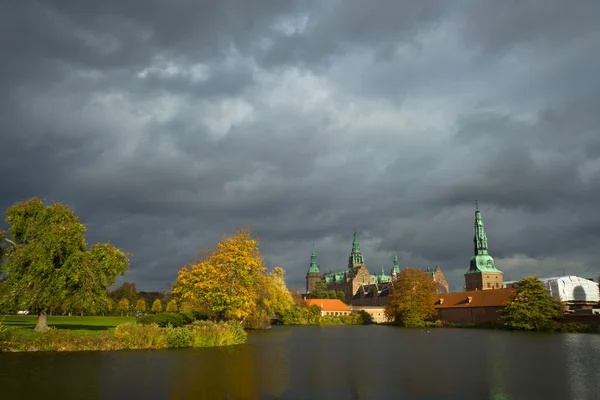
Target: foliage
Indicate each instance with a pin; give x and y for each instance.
(320, 291)
(410, 300)
(123, 306)
(140, 305)
(179, 337)
(312, 316)
(171, 306)
(156, 306)
(126, 290)
(274, 299)
(162, 319)
(125, 336)
(341, 296)
(47, 261)
(187, 317)
(225, 284)
(531, 307)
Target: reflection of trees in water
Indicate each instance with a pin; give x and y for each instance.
(247, 371)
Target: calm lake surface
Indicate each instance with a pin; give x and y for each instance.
(330, 362)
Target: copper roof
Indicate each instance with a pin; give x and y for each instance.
(328, 304)
(476, 298)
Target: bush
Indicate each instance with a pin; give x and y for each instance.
(133, 336)
(573, 327)
(162, 319)
(187, 316)
(179, 337)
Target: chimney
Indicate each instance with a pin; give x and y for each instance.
(469, 299)
(441, 301)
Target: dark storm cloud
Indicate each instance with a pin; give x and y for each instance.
(166, 126)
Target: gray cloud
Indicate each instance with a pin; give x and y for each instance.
(167, 126)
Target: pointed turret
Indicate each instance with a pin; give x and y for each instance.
(356, 257)
(396, 267)
(482, 263)
(313, 263)
(314, 273)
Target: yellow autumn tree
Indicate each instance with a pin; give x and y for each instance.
(273, 300)
(156, 306)
(225, 283)
(172, 306)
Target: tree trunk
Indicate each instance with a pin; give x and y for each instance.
(42, 322)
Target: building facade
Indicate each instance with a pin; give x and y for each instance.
(482, 273)
(360, 287)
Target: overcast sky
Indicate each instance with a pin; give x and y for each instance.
(167, 124)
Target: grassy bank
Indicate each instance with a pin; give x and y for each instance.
(110, 333)
(79, 326)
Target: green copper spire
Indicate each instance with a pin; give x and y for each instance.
(356, 256)
(355, 245)
(481, 260)
(313, 263)
(396, 268)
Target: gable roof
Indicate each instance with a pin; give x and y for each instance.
(475, 298)
(328, 304)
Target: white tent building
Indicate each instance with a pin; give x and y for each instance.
(573, 290)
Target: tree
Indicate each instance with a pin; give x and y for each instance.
(331, 294)
(320, 291)
(140, 305)
(274, 299)
(410, 301)
(47, 261)
(156, 306)
(172, 306)
(531, 307)
(225, 284)
(123, 306)
(127, 290)
(341, 296)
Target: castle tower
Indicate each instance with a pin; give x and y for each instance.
(356, 258)
(482, 273)
(395, 268)
(313, 275)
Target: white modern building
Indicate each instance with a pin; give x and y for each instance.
(576, 292)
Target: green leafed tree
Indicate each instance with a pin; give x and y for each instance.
(320, 291)
(140, 305)
(47, 261)
(123, 306)
(156, 306)
(341, 296)
(331, 294)
(531, 307)
(172, 306)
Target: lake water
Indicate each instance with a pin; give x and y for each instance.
(330, 362)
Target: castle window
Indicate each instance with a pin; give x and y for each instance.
(489, 285)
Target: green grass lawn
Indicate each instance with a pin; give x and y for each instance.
(81, 326)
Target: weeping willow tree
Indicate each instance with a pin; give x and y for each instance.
(46, 262)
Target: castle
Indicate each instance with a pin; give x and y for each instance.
(360, 287)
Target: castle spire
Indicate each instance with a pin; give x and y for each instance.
(313, 263)
(356, 257)
(355, 245)
(480, 239)
(396, 267)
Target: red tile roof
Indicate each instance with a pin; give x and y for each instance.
(476, 298)
(328, 305)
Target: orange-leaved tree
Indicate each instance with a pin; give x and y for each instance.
(410, 301)
(225, 283)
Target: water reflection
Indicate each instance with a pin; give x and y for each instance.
(359, 362)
